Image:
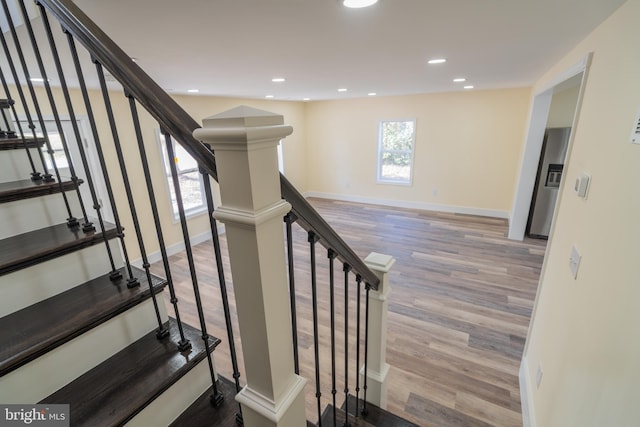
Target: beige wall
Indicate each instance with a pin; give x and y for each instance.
(466, 152)
(584, 332)
(563, 107)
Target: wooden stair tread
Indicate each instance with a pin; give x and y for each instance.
(377, 416)
(9, 143)
(27, 188)
(24, 250)
(116, 390)
(327, 419)
(202, 414)
(37, 329)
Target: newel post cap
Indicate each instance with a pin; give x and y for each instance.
(379, 262)
(243, 123)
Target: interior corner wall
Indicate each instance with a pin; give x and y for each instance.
(583, 332)
(467, 149)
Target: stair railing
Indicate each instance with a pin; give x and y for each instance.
(29, 51)
(175, 123)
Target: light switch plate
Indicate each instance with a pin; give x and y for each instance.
(574, 261)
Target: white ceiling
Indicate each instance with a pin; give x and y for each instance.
(235, 47)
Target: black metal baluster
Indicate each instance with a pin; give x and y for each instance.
(115, 273)
(359, 283)
(183, 344)
(35, 176)
(289, 219)
(332, 256)
(347, 269)
(216, 397)
(223, 287)
(161, 332)
(71, 220)
(313, 239)
(87, 226)
(366, 348)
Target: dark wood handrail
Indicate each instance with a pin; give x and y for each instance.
(181, 125)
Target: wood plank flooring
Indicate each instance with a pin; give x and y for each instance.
(461, 300)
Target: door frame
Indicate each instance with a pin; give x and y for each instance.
(532, 151)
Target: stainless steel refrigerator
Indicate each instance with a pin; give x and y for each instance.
(554, 151)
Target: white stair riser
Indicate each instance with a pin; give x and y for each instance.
(22, 216)
(176, 399)
(16, 166)
(45, 375)
(28, 286)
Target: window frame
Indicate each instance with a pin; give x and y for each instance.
(380, 179)
(166, 167)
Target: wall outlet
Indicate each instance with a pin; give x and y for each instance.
(539, 376)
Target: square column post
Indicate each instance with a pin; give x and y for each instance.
(377, 367)
(245, 143)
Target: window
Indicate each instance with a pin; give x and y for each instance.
(395, 151)
(191, 184)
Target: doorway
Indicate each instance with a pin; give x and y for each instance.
(553, 157)
(538, 123)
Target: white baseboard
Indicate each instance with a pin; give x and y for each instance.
(411, 205)
(178, 247)
(526, 402)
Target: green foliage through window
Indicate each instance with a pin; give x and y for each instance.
(395, 151)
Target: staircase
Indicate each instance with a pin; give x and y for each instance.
(70, 332)
(82, 324)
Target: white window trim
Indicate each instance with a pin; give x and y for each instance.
(168, 181)
(379, 178)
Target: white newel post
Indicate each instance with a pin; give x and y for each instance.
(377, 367)
(244, 140)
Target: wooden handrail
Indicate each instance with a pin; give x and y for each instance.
(181, 125)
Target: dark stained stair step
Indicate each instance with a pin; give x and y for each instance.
(37, 329)
(25, 250)
(376, 416)
(327, 419)
(202, 414)
(113, 392)
(10, 143)
(27, 188)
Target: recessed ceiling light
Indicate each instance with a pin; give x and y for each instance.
(134, 59)
(460, 80)
(37, 79)
(193, 90)
(278, 79)
(356, 4)
(437, 61)
(269, 96)
(306, 99)
(342, 89)
(372, 94)
(469, 87)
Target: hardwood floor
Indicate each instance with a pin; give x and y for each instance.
(461, 300)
